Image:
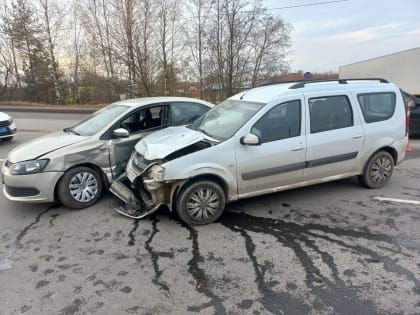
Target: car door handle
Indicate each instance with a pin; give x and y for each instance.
(357, 136)
(298, 148)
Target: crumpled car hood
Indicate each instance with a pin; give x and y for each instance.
(161, 143)
(42, 145)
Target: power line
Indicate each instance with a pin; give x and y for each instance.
(307, 5)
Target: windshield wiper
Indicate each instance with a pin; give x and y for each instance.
(73, 131)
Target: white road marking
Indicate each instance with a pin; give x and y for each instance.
(413, 202)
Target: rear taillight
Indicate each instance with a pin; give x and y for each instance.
(410, 106)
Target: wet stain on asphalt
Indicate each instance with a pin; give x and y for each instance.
(199, 275)
(273, 301)
(331, 292)
(41, 284)
(154, 255)
(72, 308)
(53, 217)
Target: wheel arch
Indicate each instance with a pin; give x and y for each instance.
(95, 167)
(209, 177)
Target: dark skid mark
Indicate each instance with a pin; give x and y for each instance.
(200, 277)
(334, 293)
(273, 301)
(26, 229)
(131, 234)
(154, 255)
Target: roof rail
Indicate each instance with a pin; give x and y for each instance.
(301, 84)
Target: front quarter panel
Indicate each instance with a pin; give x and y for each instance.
(218, 160)
(91, 151)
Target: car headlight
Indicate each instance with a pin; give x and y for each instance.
(28, 167)
(10, 120)
(156, 172)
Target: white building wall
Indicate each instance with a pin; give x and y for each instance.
(401, 68)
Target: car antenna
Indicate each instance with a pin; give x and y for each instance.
(242, 96)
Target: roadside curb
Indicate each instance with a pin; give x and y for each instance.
(49, 109)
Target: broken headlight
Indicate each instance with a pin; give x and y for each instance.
(156, 172)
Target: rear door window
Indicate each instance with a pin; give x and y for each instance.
(377, 106)
(329, 113)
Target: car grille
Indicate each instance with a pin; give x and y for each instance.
(139, 162)
(21, 191)
(5, 123)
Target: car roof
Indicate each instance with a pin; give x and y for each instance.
(143, 101)
(266, 94)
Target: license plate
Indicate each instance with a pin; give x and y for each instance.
(3, 130)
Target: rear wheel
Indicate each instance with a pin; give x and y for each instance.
(378, 170)
(80, 187)
(200, 202)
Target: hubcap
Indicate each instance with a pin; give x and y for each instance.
(202, 204)
(381, 170)
(83, 187)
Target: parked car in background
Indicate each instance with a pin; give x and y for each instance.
(75, 164)
(7, 127)
(414, 126)
(414, 122)
(265, 140)
(414, 129)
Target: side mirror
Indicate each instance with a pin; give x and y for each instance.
(121, 133)
(250, 139)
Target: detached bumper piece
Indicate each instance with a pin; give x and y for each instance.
(133, 207)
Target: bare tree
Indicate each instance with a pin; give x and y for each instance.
(196, 33)
(125, 13)
(8, 60)
(269, 43)
(145, 64)
(97, 23)
(52, 15)
(168, 29)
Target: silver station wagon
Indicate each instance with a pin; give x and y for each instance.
(74, 165)
(265, 140)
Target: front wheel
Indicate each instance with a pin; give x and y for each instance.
(378, 170)
(200, 202)
(79, 188)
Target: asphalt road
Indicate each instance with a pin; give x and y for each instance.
(326, 249)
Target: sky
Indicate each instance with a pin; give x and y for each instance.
(329, 35)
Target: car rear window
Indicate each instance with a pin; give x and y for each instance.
(377, 106)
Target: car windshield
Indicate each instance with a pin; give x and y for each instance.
(97, 121)
(224, 120)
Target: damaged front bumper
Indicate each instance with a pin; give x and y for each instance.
(133, 207)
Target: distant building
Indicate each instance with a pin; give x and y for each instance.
(401, 68)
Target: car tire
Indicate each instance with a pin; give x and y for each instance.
(378, 170)
(80, 187)
(200, 202)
